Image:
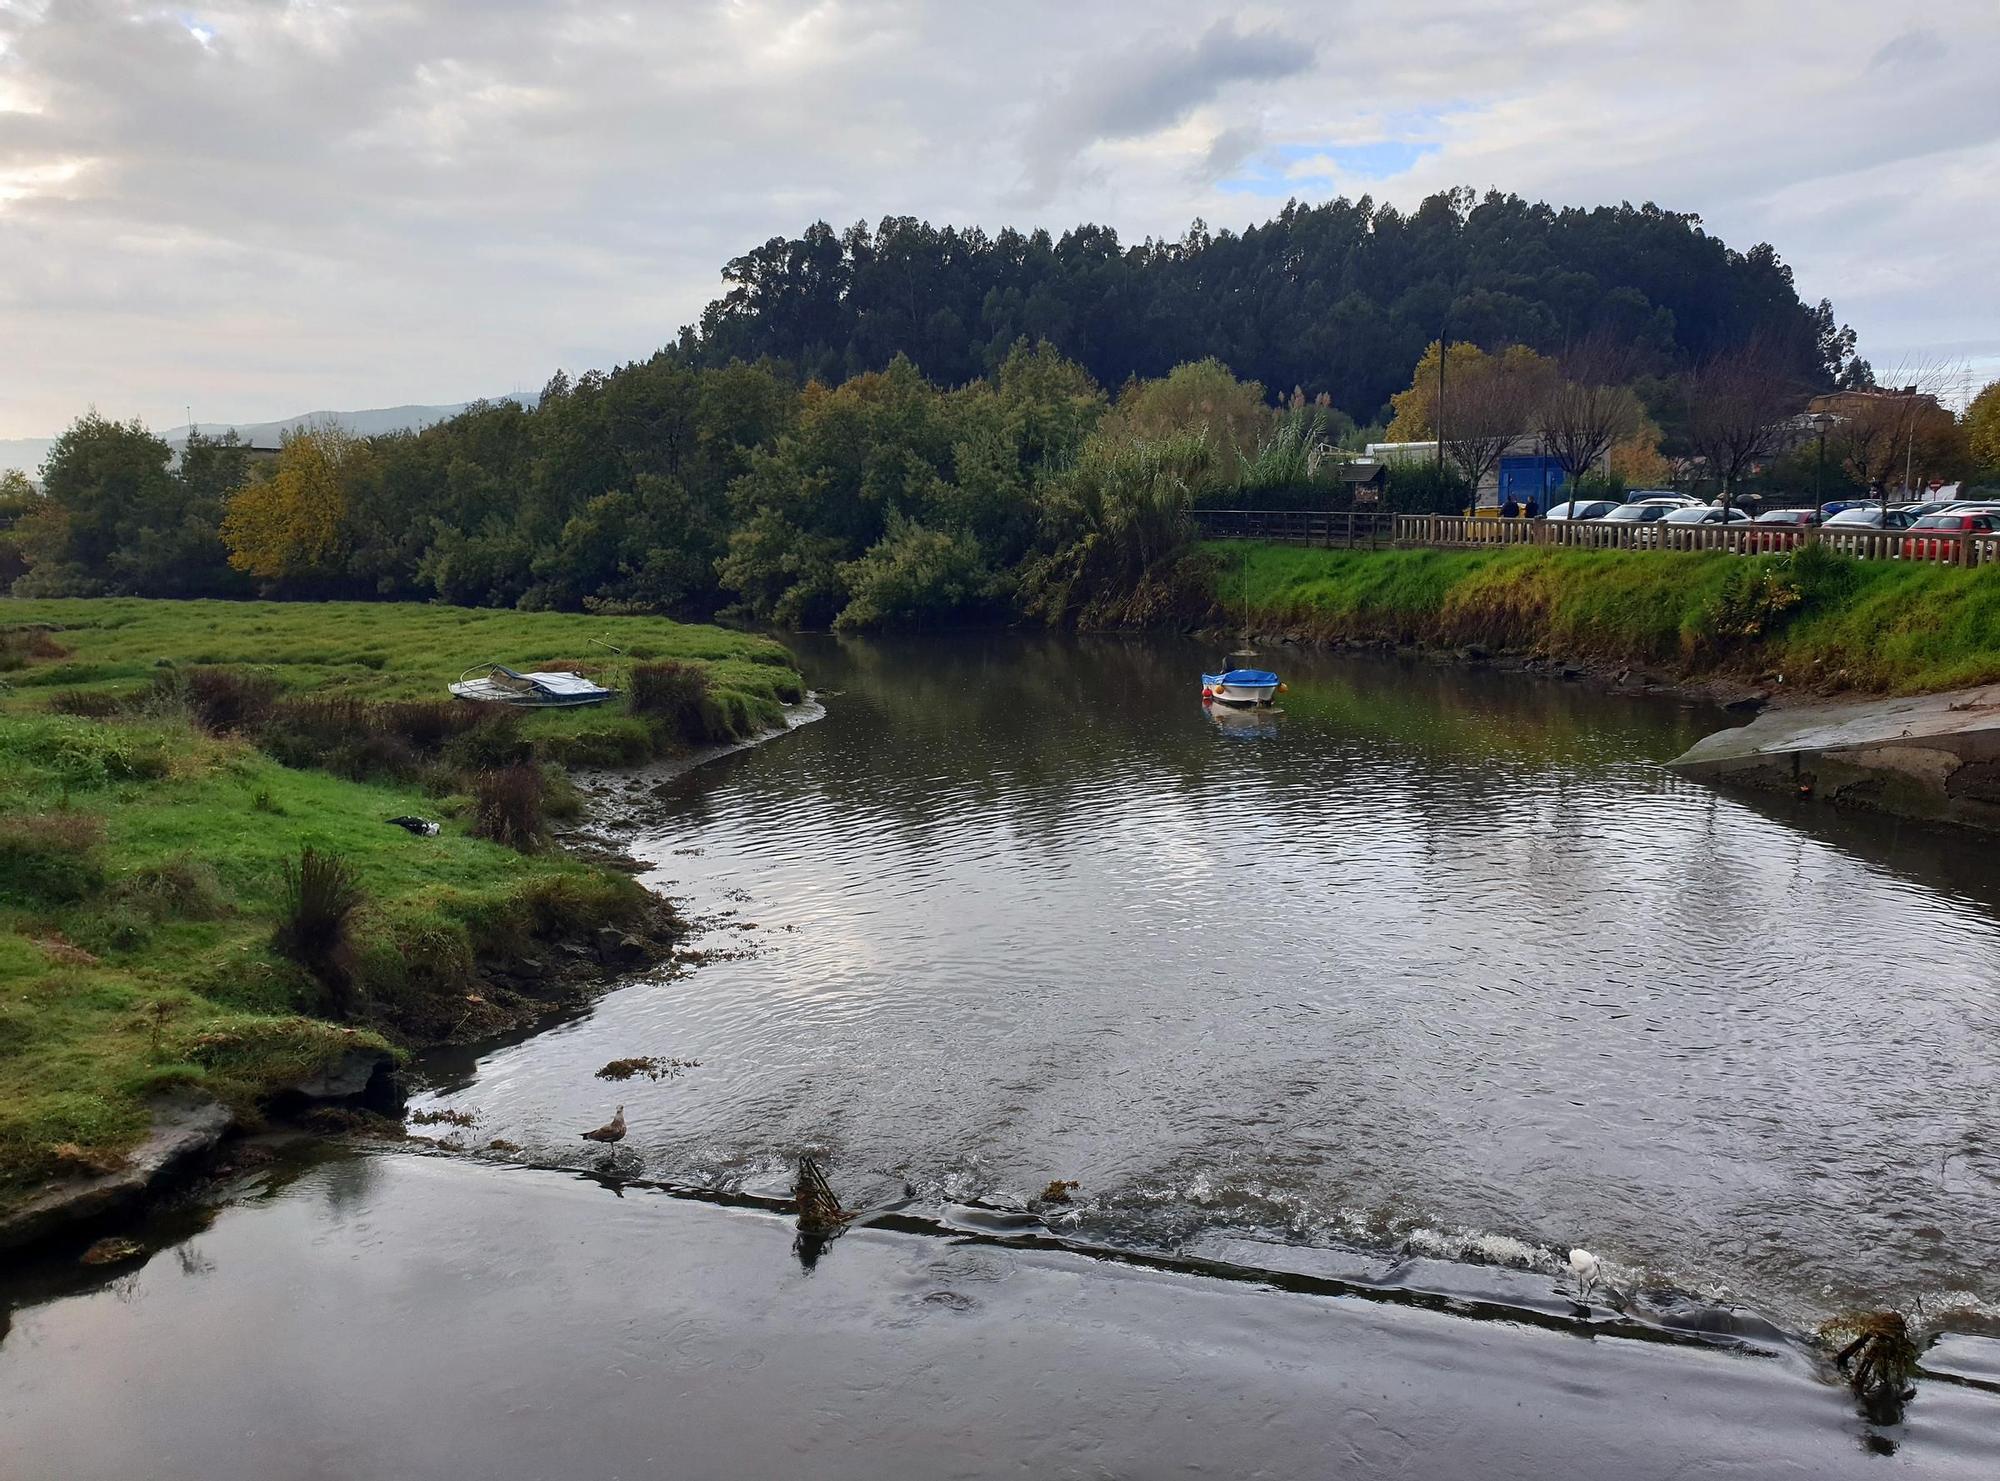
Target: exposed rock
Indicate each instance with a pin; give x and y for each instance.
(616, 948)
(346, 1077)
(184, 1127)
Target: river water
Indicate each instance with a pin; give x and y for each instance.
(1386, 1003)
(1440, 962)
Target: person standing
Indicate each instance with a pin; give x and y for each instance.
(1510, 510)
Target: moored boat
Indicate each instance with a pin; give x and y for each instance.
(1240, 688)
(495, 683)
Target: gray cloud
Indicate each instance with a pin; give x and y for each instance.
(1146, 89)
(261, 208)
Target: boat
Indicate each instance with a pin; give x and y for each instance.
(495, 683)
(1240, 688)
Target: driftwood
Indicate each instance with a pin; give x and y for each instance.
(820, 1212)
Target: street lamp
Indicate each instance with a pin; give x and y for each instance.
(1821, 420)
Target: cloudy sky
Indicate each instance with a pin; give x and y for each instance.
(258, 208)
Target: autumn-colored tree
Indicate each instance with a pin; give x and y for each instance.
(289, 524)
(1203, 397)
(1982, 431)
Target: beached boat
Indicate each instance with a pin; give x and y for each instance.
(1240, 688)
(495, 683)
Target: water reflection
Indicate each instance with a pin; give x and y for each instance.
(1449, 961)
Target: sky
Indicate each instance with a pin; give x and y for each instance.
(264, 207)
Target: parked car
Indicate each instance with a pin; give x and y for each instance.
(1781, 529)
(1706, 514)
(1658, 496)
(1644, 513)
(1840, 506)
(1581, 509)
(1870, 517)
(1939, 536)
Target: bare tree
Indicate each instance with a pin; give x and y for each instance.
(1491, 406)
(1897, 435)
(1738, 407)
(1579, 420)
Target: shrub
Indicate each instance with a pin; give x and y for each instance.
(182, 888)
(494, 742)
(671, 692)
(428, 724)
(86, 704)
(50, 858)
(220, 700)
(321, 896)
(507, 807)
(21, 646)
(117, 929)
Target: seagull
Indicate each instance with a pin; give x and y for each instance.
(611, 1131)
(1584, 1266)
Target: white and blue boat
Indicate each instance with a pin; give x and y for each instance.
(1241, 689)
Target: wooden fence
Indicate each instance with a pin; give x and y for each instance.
(1348, 531)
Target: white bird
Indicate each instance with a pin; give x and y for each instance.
(1586, 1268)
(611, 1131)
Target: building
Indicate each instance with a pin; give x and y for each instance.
(1525, 470)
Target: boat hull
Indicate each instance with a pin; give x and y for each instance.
(1239, 693)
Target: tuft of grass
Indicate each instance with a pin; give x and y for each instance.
(507, 808)
(321, 896)
(672, 692)
(50, 858)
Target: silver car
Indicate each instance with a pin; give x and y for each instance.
(1707, 514)
(1870, 518)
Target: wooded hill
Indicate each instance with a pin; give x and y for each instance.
(1336, 299)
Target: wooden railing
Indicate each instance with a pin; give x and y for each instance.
(1458, 531)
(1346, 529)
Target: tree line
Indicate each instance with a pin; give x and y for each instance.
(887, 500)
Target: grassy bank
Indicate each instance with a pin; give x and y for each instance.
(145, 838)
(1822, 621)
(383, 651)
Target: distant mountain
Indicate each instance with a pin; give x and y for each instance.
(29, 453)
(371, 423)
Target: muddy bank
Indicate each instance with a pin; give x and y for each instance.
(580, 1330)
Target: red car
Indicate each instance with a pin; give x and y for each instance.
(1946, 532)
(1779, 529)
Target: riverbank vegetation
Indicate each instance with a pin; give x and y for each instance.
(1821, 620)
(201, 884)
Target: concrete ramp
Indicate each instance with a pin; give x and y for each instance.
(1933, 756)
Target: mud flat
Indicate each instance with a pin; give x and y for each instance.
(1930, 756)
(395, 1314)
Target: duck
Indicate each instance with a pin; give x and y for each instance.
(611, 1131)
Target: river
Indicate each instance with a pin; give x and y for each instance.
(1420, 983)
(1447, 961)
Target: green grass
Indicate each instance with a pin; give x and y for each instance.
(1872, 625)
(141, 859)
(390, 650)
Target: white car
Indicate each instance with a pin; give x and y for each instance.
(1582, 509)
(1707, 514)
